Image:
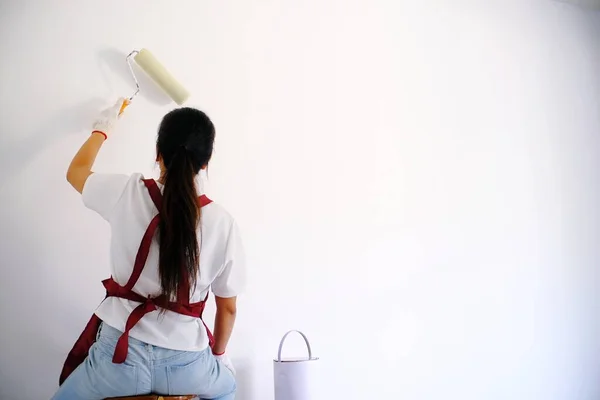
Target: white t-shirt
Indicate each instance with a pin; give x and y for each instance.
(124, 201)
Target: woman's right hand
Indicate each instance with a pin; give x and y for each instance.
(107, 119)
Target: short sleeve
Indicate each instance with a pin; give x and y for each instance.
(231, 281)
(102, 192)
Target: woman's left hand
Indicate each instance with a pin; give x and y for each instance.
(224, 358)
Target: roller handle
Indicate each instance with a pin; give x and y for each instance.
(126, 103)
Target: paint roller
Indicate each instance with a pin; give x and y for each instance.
(158, 73)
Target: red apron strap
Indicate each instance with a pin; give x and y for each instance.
(211, 338)
(144, 249)
(123, 343)
(154, 193)
(142, 254)
(203, 201)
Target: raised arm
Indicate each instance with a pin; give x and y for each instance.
(81, 166)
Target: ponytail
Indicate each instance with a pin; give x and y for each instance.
(179, 253)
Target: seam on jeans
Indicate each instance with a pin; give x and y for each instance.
(152, 371)
(99, 331)
(107, 349)
(168, 373)
(137, 380)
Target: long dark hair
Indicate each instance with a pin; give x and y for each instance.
(185, 143)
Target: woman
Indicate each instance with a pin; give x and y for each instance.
(169, 245)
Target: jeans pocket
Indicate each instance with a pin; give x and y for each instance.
(199, 374)
(112, 379)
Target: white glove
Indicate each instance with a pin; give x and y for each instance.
(108, 118)
(224, 359)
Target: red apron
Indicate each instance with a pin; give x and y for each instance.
(183, 306)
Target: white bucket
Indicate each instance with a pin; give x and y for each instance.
(296, 378)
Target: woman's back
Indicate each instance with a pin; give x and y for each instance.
(169, 246)
(125, 203)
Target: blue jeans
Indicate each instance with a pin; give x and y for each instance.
(148, 369)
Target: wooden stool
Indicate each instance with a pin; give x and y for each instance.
(156, 397)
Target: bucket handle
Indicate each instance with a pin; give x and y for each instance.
(305, 341)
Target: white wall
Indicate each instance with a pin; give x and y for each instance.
(417, 183)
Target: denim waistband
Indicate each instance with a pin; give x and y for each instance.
(109, 332)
